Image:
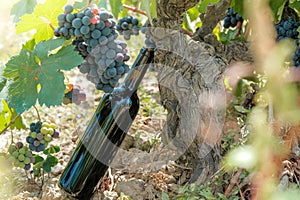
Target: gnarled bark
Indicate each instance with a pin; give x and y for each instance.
(201, 65)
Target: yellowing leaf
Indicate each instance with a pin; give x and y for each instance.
(43, 16)
(29, 22)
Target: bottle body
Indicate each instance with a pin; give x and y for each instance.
(98, 145)
(104, 134)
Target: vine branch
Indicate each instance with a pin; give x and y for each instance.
(134, 9)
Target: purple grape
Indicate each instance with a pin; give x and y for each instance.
(39, 136)
(41, 147)
(27, 167)
(19, 145)
(36, 143)
(32, 147)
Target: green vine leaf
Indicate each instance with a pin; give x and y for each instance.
(277, 8)
(50, 161)
(46, 167)
(36, 74)
(2, 80)
(203, 4)
(116, 7)
(38, 159)
(29, 45)
(102, 4)
(22, 7)
(295, 5)
(150, 7)
(51, 150)
(80, 4)
(193, 13)
(238, 6)
(7, 115)
(42, 19)
(3, 96)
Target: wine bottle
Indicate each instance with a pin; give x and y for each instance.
(105, 133)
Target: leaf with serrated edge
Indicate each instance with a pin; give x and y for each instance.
(102, 4)
(80, 4)
(51, 80)
(193, 13)
(22, 7)
(42, 49)
(277, 8)
(28, 74)
(295, 5)
(5, 115)
(2, 80)
(29, 45)
(150, 7)
(203, 4)
(41, 18)
(22, 93)
(116, 7)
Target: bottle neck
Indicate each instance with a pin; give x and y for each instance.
(138, 69)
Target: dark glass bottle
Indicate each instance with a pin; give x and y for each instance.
(105, 133)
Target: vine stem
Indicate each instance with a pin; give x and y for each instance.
(134, 9)
(233, 182)
(10, 123)
(37, 112)
(187, 32)
(12, 137)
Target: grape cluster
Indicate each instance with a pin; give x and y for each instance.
(40, 135)
(128, 26)
(231, 19)
(96, 41)
(288, 29)
(73, 94)
(20, 156)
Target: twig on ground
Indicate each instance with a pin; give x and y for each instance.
(233, 182)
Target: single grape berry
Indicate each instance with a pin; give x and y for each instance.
(68, 9)
(19, 145)
(86, 20)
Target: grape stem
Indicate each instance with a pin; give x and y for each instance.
(239, 27)
(37, 112)
(10, 123)
(89, 3)
(134, 9)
